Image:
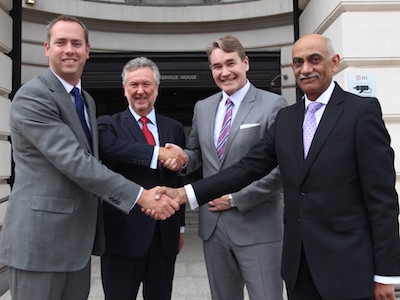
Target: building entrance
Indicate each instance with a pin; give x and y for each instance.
(185, 79)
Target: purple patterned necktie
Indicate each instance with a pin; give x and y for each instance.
(310, 125)
(226, 125)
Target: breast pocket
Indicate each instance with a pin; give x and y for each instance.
(248, 136)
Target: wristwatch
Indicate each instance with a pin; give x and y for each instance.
(231, 202)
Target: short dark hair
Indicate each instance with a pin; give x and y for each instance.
(66, 18)
(227, 44)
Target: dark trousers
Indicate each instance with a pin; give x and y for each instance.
(305, 287)
(122, 276)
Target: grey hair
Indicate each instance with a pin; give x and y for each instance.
(329, 45)
(138, 63)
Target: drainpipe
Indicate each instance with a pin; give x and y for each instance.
(296, 15)
(16, 14)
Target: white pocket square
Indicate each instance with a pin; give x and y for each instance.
(249, 125)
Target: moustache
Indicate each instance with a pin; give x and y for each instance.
(312, 75)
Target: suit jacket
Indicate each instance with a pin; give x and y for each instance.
(259, 205)
(52, 220)
(124, 149)
(340, 203)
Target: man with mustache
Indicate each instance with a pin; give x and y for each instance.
(341, 233)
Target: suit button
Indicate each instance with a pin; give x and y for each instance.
(116, 201)
(303, 193)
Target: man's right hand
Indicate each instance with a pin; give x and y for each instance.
(161, 207)
(172, 157)
(165, 193)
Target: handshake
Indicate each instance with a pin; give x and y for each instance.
(162, 202)
(172, 157)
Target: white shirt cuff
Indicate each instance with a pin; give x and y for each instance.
(138, 196)
(387, 279)
(191, 196)
(154, 158)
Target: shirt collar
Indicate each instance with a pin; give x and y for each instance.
(323, 98)
(238, 96)
(151, 116)
(68, 87)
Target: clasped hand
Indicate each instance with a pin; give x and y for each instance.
(219, 204)
(165, 201)
(172, 157)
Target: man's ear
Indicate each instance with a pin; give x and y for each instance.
(335, 63)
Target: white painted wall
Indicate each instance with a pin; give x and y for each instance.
(366, 36)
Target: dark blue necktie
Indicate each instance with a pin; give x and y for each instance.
(81, 113)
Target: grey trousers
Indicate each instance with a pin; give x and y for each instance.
(231, 267)
(30, 285)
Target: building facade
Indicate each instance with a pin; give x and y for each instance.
(364, 32)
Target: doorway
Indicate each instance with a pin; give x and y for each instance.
(185, 79)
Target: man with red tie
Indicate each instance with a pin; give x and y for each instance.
(138, 248)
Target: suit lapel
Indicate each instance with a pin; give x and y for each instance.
(245, 107)
(91, 109)
(331, 115)
(162, 130)
(71, 116)
(210, 119)
(297, 141)
(132, 126)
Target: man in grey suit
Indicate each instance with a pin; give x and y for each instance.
(54, 217)
(241, 232)
(341, 233)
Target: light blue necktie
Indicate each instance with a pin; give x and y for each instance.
(310, 125)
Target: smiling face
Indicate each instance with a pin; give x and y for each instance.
(67, 50)
(141, 90)
(228, 70)
(313, 65)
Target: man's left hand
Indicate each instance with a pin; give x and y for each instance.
(384, 291)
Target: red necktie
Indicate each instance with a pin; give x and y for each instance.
(146, 132)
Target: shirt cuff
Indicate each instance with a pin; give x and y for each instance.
(154, 158)
(387, 279)
(191, 196)
(138, 196)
